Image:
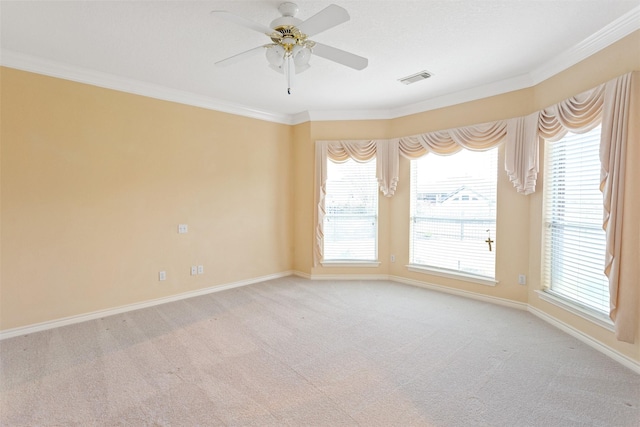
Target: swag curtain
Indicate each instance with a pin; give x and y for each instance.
(608, 103)
(521, 153)
(338, 151)
(478, 138)
(623, 281)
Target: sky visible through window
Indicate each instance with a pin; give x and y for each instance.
(453, 211)
(464, 163)
(351, 205)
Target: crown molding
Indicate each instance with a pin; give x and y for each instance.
(301, 117)
(472, 94)
(37, 65)
(608, 35)
(467, 95)
(323, 115)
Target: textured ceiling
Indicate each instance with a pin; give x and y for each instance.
(473, 48)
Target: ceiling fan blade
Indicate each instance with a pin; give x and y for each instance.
(340, 56)
(239, 57)
(328, 17)
(242, 21)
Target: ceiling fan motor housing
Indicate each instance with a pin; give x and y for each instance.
(289, 36)
(288, 19)
(288, 9)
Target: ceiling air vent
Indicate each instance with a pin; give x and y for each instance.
(422, 75)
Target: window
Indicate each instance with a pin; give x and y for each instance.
(453, 212)
(574, 238)
(351, 205)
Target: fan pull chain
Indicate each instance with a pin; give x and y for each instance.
(288, 72)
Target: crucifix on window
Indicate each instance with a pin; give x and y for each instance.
(489, 241)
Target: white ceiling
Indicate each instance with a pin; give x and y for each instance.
(167, 49)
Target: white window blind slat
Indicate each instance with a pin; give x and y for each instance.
(351, 205)
(453, 212)
(574, 238)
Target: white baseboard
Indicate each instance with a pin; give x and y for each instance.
(24, 330)
(460, 292)
(349, 277)
(597, 345)
(604, 349)
(412, 282)
(301, 274)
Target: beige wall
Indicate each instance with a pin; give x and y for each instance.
(618, 59)
(95, 183)
(518, 239)
(303, 175)
(356, 129)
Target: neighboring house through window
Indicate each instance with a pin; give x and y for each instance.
(453, 213)
(351, 205)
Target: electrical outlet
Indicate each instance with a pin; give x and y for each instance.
(522, 279)
(194, 270)
(200, 269)
(393, 258)
(162, 275)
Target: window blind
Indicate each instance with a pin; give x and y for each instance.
(351, 205)
(453, 212)
(574, 239)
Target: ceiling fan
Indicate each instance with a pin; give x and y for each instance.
(290, 49)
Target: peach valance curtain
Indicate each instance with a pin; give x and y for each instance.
(341, 151)
(387, 153)
(608, 104)
(476, 138)
(580, 113)
(623, 279)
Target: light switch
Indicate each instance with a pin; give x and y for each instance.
(183, 228)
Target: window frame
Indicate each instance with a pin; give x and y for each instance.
(347, 262)
(445, 272)
(547, 293)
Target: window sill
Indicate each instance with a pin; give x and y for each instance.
(352, 264)
(587, 314)
(452, 275)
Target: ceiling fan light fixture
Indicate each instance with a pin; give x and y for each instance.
(301, 68)
(275, 55)
(301, 55)
(276, 69)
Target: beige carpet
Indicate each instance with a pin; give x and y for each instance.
(302, 353)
